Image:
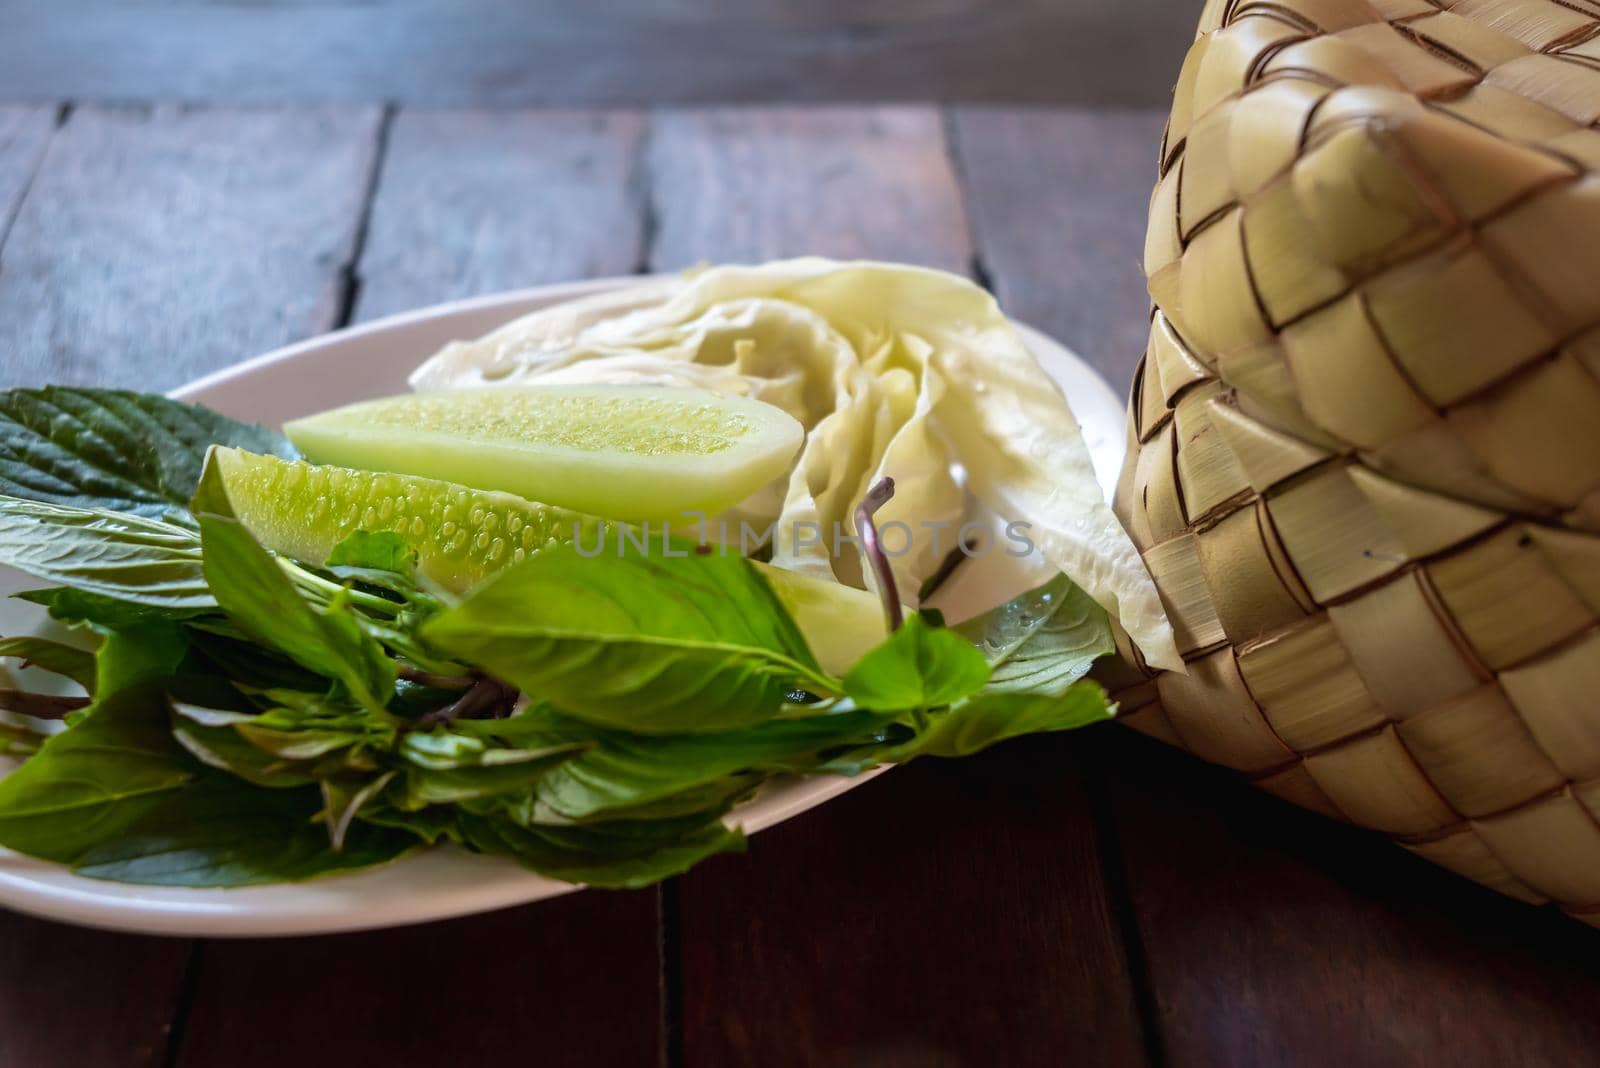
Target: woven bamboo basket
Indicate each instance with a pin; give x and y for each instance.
(1364, 465)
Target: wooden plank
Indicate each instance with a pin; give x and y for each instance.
(471, 202)
(517, 53)
(88, 998)
(158, 244)
(564, 982)
(468, 203)
(151, 246)
(743, 184)
(1058, 204)
(1277, 937)
(948, 913)
(945, 913)
(24, 132)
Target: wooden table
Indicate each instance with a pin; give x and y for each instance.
(1081, 899)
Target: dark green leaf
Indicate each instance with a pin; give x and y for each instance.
(249, 663)
(646, 643)
(138, 654)
(368, 551)
(448, 767)
(112, 449)
(622, 772)
(344, 798)
(247, 836)
(618, 854)
(116, 798)
(76, 664)
(209, 736)
(256, 594)
(988, 718)
(918, 666)
(78, 607)
(126, 557)
(1042, 641)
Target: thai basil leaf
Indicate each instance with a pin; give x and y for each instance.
(116, 450)
(116, 798)
(221, 747)
(624, 773)
(260, 599)
(138, 654)
(1044, 640)
(344, 798)
(620, 854)
(248, 836)
(366, 551)
(120, 556)
(988, 718)
(650, 644)
(248, 663)
(70, 661)
(918, 666)
(79, 607)
(446, 767)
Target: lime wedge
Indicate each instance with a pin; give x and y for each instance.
(623, 452)
(460, 534)
(463, 535)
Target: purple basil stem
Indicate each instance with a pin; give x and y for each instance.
(876, 498)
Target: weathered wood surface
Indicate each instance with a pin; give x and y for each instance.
(86, 998)
(944, 914)
(477, 202)
(1277, 937)
(156, 244)
(1058, 206)
(24, 132)
(567, 982)
(747, 184)
(1086, 898)
(569, 52)
(832, 910)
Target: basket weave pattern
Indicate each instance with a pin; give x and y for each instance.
(1364, 465)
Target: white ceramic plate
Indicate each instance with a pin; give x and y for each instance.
(366, 361)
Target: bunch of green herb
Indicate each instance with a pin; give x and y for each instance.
(248, 718)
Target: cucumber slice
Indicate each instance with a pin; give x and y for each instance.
(463, 535)
(622, 452)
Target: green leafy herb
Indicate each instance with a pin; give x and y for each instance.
(1042, 641)
(79, 608)
(651, 644)
(122, 556)
(138, 654)
(365, 551)
(988, 718)
(116, 798)
(115, 450)
(257, 596)
(70, 661)
(620, 854)
(625, 773)
(920, 666)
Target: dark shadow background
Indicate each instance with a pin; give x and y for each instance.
(526, 52)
